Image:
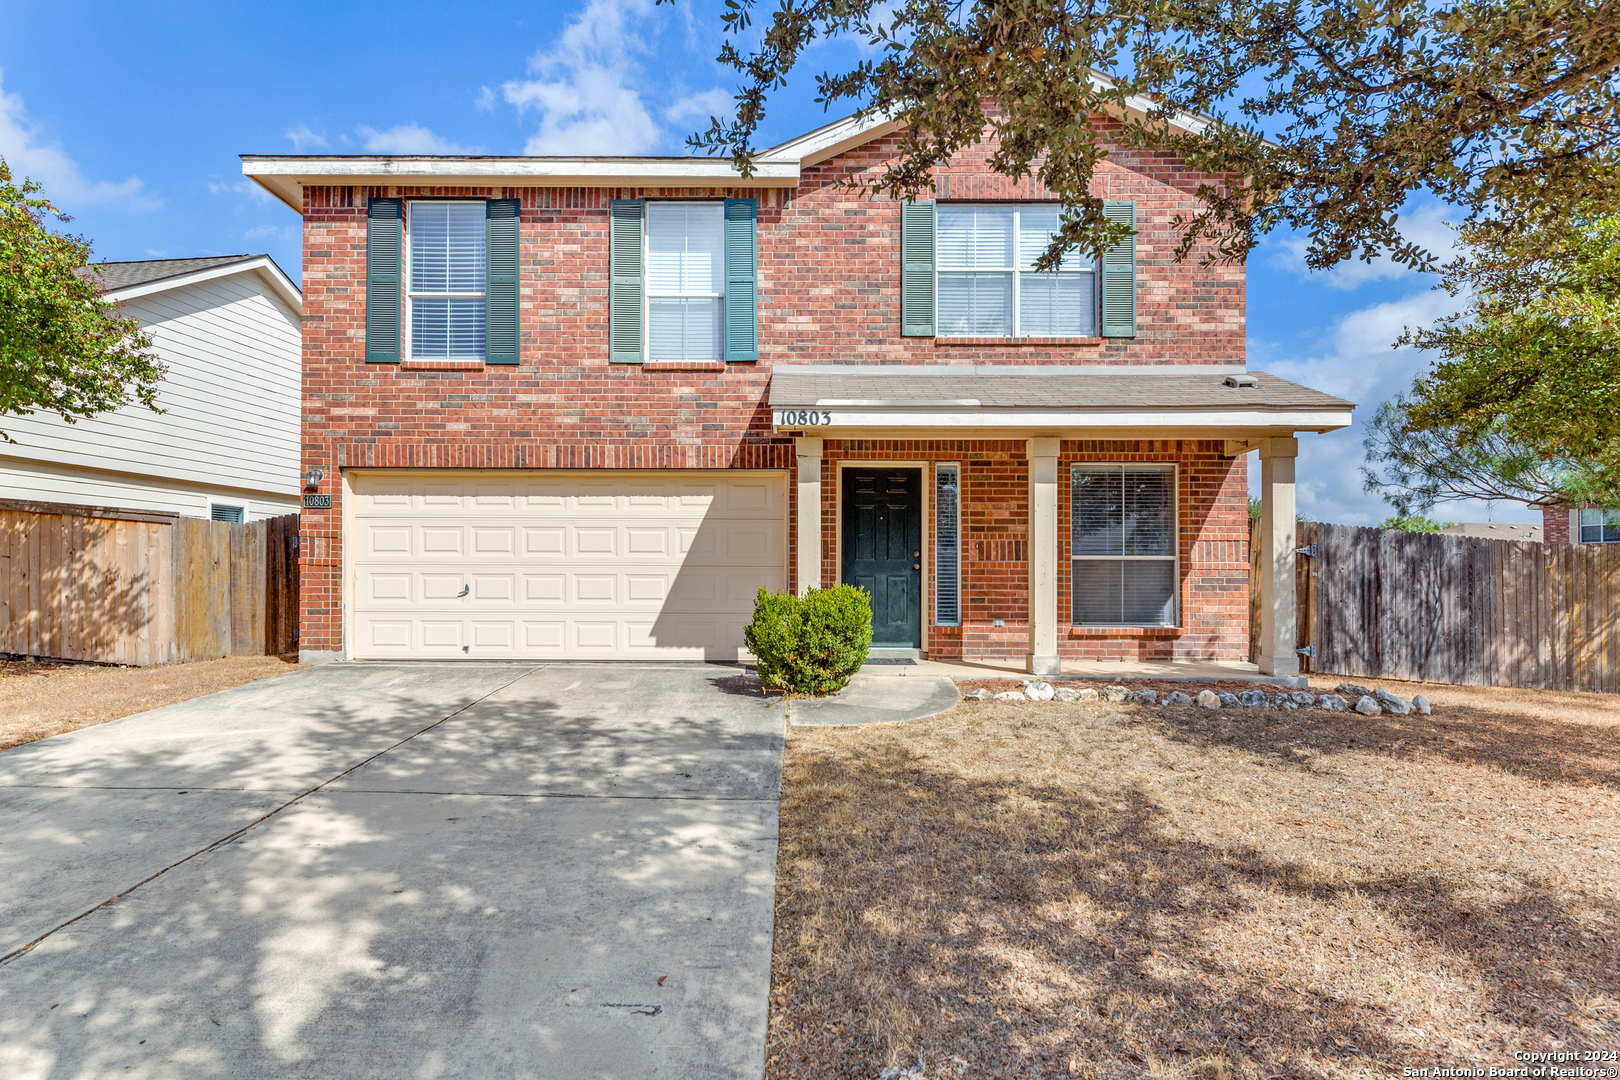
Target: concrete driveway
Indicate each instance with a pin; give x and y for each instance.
(365, 870)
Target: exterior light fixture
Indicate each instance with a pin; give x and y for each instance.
(312, 478)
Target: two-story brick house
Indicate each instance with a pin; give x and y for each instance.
(583, 408)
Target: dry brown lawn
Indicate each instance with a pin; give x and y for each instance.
(1136, 891)
(38, 700)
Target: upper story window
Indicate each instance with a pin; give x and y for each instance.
(686, 282)
(1600, 527)
(682, 281)
(444, 304)
(988, 286)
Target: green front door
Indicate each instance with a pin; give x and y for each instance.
(882, 547)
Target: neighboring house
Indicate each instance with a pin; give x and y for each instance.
(582, 408)
(1492, 530)
(227, 329)
(1580, 525)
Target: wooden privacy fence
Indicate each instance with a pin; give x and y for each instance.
(122, 587)
(1457, 609)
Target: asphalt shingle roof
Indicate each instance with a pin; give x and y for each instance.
(1038, 388)
(121, 275)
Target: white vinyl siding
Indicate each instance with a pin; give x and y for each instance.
(230, 397)
(686, 276)
(987, 285)
(445, 270)
(1122, 539)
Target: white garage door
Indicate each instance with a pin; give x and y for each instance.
(562, 565)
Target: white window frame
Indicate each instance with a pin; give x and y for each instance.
(938, 590)
(222, 504)
(646, 277)
(1174, 558)
(1580, 525)
(409, 352)
(1017, 274)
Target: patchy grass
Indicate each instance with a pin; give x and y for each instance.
(38, 700)
(1014, 890)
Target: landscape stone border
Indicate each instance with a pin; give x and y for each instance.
(1346, 697)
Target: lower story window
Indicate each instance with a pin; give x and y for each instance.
(223, 512)
(1600, 526)
(1122, 538)
(947, 545)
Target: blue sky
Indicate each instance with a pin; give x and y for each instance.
(136, 128)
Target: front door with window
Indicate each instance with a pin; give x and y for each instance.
(882, 546)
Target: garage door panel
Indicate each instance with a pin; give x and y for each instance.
(559, 566)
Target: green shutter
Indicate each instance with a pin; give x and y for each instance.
(385, 235)
(917, 269)
(624, 281)
(742, 289)
(1119, 276)
(501, 281)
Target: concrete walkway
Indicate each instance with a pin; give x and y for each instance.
(420, 870)
(878, 694)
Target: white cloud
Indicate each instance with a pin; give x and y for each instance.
(1426, 225)
(32, 157)
(1355, 361)
(283, 232)
(588, 87)
(408, 139)
(486, 99)
(246, 188)
(304, 139)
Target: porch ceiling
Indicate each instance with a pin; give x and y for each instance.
(1188, 401)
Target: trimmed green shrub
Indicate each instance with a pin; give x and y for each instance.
(810, 645)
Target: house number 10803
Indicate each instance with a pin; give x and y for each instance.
(803, 417)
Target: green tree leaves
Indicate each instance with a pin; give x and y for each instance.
(63, 349)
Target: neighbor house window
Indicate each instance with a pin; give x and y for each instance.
(1123, 543)
(444, 300)
(987, 284)
(686, 280)
(223, 512)
(1600, 527)
(948, 545)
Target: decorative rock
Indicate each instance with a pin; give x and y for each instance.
(1303, 698)
(1178, 698)
(981, 694)
(1069, 695)
(1039, 691)
(1209, 699)
(1286, 701)
(1145, 697)
(1397, 705)
(1088, 694)
(1011, 695)
(1115, 693)
(1421, 704)
(1333, 703)
(1228, 699)
(1254, 698)
(1367, 706)
(1350, 689)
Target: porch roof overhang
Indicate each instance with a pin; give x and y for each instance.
(1013, 401)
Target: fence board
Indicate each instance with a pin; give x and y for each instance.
(1460, 610)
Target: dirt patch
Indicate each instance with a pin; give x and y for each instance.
(1014, 890)
(38, 700)
(1163, 686)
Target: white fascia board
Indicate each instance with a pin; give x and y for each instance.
(286, 177)
(262, 265)
(821, 420)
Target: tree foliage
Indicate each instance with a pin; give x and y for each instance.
(1324, 115)
(63, 348)
(1529, 370)
(1414, 523)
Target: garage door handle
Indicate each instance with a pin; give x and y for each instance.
(465, 589)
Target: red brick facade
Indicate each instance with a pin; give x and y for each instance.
(828, 293)
(1555, 524)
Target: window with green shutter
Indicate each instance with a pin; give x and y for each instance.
(917, 269)
(501, 281)
(385, 234)
(1119, 276)
(625, 275)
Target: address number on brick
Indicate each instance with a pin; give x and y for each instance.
(802, 418)
(317, 502)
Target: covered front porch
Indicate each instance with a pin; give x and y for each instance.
(1050, 516)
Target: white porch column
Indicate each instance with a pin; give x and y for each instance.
(807, 569)
(1277, 611)
(1043, 552)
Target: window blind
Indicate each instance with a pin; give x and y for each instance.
(1122, 538)
(445, 242)
(947, 545)
(685, 280)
